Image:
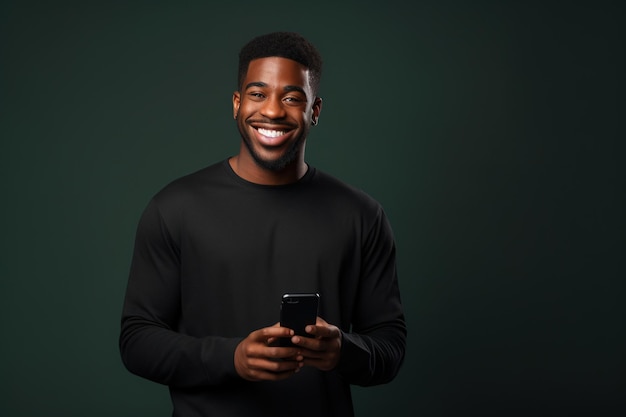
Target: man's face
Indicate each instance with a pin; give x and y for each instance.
(274, 111)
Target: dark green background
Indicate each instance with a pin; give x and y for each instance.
(491, 132)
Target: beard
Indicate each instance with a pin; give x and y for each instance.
(289, 156)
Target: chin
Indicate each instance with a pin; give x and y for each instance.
(278, 164)
(275, 165)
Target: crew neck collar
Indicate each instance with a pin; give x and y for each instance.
(231, 173)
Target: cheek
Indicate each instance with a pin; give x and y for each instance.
(247, 107)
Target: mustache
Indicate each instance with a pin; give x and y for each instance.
(272, 122)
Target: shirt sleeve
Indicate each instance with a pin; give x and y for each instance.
(149, 344)
(373, 350)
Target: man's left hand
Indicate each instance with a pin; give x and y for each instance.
(323, 348)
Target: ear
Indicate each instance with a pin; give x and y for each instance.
(317, 109)
(236, 103)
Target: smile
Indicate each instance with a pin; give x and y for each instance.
(271, 133)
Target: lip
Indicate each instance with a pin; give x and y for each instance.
(271, 140)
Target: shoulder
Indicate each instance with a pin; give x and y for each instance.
(338, 199)
(343, 194)
(190, 184)
(175, 198)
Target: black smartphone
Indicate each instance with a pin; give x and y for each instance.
(296, 312)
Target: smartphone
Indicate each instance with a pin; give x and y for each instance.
(296, 312)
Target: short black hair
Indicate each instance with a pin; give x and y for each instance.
(285, 45)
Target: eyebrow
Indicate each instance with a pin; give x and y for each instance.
(256, 84)
(287, 88)
(290, 88)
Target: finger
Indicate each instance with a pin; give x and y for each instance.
(264, 368)
(263, 348)
(265, 375)
(283, 353)
(273, 366)
(317, 331)
(272, 352)
(323, 360)
(307, 343)
(325, 331)
(262, 335)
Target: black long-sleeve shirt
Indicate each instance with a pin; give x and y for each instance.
(213, 256)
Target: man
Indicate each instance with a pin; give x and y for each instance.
(215, 251)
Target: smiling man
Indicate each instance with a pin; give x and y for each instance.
(216, 249)
(274, 112)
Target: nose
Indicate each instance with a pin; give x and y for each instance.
(273, 108)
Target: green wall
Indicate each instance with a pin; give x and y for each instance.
(492, 132)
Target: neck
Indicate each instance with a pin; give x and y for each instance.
(248, 169)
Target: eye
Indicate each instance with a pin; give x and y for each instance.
(255, 95)
(293, 100)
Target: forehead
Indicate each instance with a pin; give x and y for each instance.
(277, 72)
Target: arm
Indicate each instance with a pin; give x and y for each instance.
(373, 351)
(150, 344)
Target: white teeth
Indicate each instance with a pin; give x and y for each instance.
(271, 133)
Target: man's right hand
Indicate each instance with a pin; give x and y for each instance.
(256, 359)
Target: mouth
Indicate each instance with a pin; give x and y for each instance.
(271, 133)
